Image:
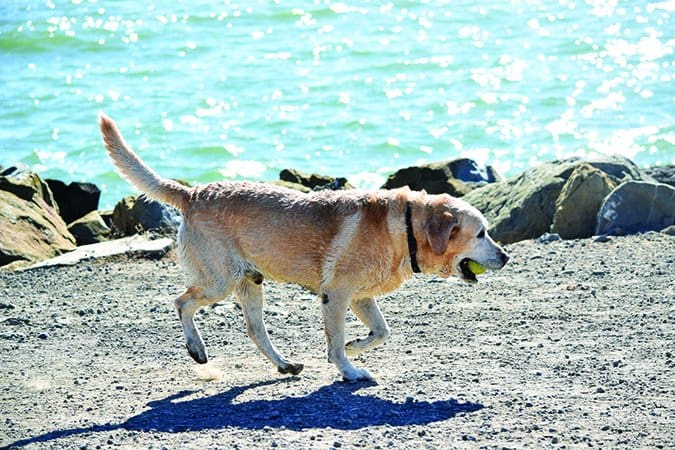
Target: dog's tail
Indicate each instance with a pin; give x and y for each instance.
(136, 172)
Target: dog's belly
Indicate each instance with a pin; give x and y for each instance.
(288, 259)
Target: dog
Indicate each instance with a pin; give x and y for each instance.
(346, 246)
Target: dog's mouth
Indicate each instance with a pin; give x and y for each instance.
(465, 270)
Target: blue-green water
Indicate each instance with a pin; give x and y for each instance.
(206, 90)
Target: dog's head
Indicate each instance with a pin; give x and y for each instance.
(456, 233)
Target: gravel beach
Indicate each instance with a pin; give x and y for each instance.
(569, 346)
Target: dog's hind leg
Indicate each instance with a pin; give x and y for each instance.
(369, 313)
(334, 308)
(250, 297)
(187, 305)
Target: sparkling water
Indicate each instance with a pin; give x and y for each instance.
(207, 90)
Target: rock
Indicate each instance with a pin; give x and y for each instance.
(662, 174)
(523, 207)
(133, 215)
(137, 245)
(670, 231)
(637, 206)
(579, 201)
(456, 177)
(313, 181)
(75, 200)
(107, 216)
(547, 238)
(618, 168)
(26, 184)
(90, 229)
(32, 229)
(290, 185)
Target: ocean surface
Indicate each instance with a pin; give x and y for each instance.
(211, 90)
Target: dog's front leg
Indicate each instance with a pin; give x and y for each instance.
(369, 313)
(334, 308)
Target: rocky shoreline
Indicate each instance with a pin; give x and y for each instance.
(570, 199)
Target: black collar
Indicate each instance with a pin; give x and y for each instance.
(412, 243)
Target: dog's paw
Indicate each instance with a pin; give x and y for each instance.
(352, 375)
(292, 368)
(198, 353)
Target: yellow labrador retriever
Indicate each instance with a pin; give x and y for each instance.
(346, 246)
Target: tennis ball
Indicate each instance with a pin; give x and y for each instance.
(476, 268)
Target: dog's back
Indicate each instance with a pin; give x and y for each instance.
(285, 234)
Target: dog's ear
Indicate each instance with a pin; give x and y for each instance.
(440, 227)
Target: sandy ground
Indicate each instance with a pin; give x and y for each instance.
(570, 346)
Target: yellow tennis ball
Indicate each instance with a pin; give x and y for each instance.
(476, 268)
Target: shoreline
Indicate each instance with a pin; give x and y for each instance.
(131, 192)
(573, 198)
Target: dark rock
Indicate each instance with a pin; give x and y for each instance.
(313, 181)
(662, 174)
(32, 229)
(290, 185)
(90, 229)
(579, 201)
(107, 216)
(618, 168)
(523, 207)
(133, 215)
(75, 200)
(15, 321)
(456, 177)
(548, 237)
(637, 206)
(670, 231)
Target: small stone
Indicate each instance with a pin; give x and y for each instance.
(548, 237)
(43, 335)
(670, 231)
(603, 238)
(16, 321)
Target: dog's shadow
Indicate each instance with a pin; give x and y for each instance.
(336, 406)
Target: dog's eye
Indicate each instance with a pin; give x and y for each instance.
(481, 235)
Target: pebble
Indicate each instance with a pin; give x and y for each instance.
(548, 237)
(16, 321)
